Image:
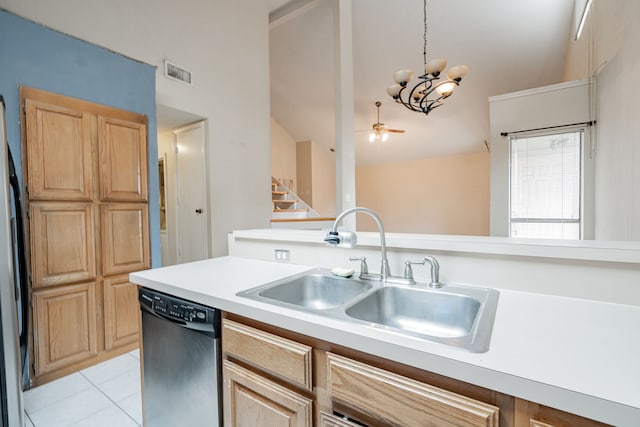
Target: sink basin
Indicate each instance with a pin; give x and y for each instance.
(459, 316)
(314, 291)
(423, 312)
(456, 315)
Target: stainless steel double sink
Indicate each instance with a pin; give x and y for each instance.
(459, 316)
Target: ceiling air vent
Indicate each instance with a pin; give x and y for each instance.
(175, 72)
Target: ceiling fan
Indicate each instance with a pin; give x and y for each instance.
(379, 131)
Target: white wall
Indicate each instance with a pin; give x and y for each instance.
(225, 44)
(317, 177)
(442, 195)
(610, 48)
(324, 180)
(283, 153)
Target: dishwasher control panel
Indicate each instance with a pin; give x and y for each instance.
(175, 308)
(179, 311)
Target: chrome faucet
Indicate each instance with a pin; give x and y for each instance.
(435, 270)
(336, 238)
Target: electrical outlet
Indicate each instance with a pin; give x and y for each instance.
(282, 254)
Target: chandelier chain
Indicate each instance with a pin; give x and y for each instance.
(424, 50)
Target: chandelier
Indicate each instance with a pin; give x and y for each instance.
(430, 92)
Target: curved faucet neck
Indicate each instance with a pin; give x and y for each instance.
(384, 267)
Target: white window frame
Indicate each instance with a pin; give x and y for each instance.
(586, 215)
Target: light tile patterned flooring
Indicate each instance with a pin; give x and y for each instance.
(107, 394)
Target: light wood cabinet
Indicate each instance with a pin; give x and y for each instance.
(123, 160)
(86, 195)
(65, 326)
(125, 237)
(121, 312)
(254, 401)
(63, 243)
(59, 152)
(349, 388)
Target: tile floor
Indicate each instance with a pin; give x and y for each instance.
(107, 394)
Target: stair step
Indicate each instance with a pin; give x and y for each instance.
(290, 210)
(283, 201)
(279, 193)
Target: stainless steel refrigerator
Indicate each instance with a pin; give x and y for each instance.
(11, 301)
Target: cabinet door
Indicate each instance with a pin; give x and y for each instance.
(65, 326)
(123, 160)
(125, 237)
(253, 401)
(62, 243)
(58, 150)
(121, 312)
(398, 400)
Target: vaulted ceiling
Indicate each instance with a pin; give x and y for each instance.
(508, 46)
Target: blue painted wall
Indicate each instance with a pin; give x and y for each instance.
(35, 56)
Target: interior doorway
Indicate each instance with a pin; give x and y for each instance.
(184, 234)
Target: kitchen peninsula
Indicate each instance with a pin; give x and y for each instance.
(563, 335)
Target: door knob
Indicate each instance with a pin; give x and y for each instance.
(199, 211)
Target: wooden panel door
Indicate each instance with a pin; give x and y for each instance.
(121, 312)
(64, 326)
(123, 160)
(125, 237)
(62, 243)
(253, 401)
(58, 151)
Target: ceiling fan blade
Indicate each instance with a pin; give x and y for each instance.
(395, 130)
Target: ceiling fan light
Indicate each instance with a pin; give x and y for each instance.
(457, 72)
(435, 66)
(385, 136)
(372, 137)
(402, 77)
(446, 88)
(394, 90)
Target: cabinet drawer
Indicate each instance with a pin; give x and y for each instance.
(286, 359)
(398, 400)
(329, 420)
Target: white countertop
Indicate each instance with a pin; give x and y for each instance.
(576, 355)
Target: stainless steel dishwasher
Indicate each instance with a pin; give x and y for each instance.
(181, 362)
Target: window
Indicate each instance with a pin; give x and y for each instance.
(546, 185)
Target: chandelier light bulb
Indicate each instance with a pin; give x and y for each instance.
(402, 77)
(457, 72)
(418, 95)
(435, 66)
(394, 90)
(445, 89)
